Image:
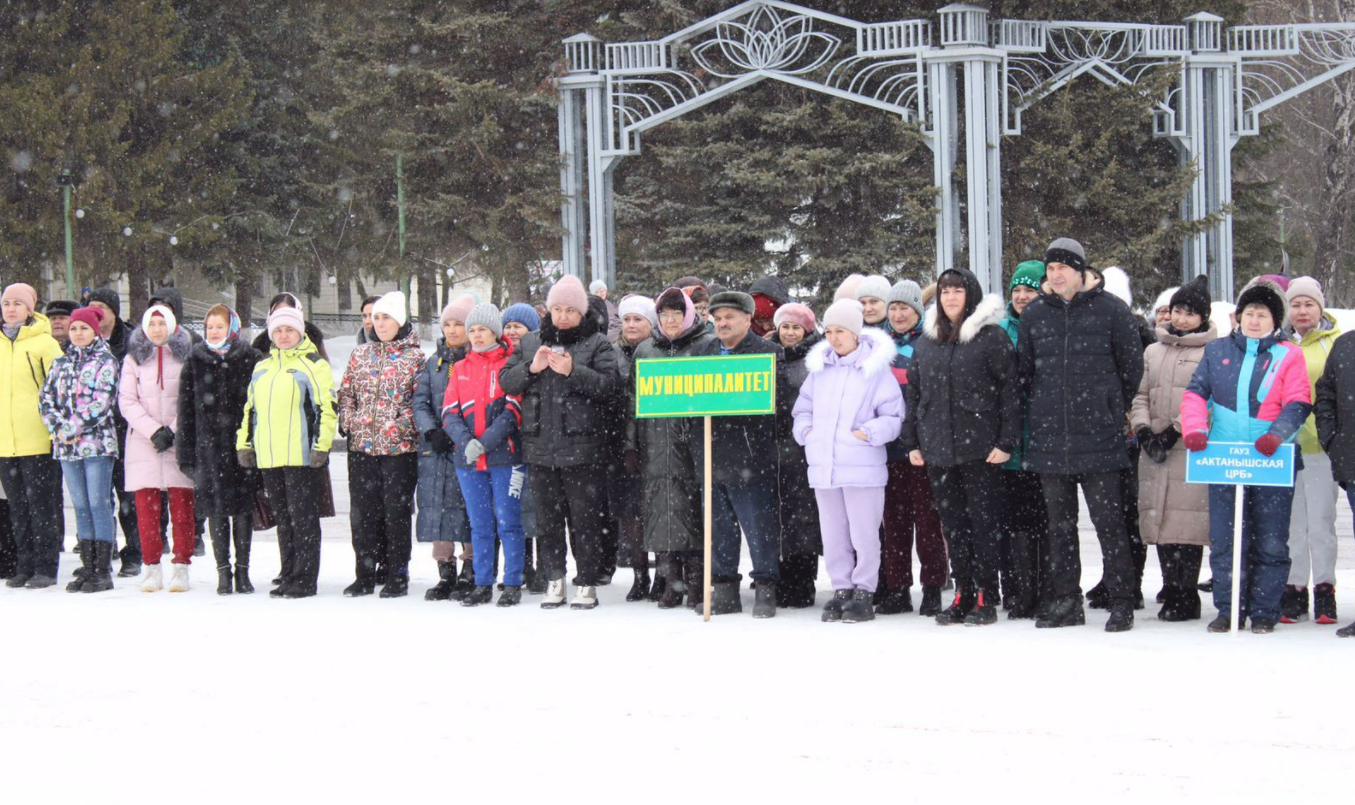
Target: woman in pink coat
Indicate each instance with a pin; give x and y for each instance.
(849, 408)
(148, 396)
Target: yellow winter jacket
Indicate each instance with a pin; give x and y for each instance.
(290, 408)
(24, 363)
(1315, 345)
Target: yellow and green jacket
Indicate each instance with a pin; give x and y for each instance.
(24, 364)
(1315, 345)
(290, 408)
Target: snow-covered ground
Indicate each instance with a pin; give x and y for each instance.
(128, 697)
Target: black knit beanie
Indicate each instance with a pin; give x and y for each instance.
(1194, 296)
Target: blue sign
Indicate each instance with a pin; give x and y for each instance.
(1240, 464)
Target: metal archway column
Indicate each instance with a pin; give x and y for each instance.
(943, 102)
(1208, 144)
(586, 180)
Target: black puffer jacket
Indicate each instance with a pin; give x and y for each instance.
(1082, 361)
(1334, 409)
(212, 393)
(799, 512)
(672, 498)
(566, 421)
(963, 396)
(745, 446)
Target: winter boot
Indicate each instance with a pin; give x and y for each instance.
(1062, 612)
(511, 596)
(465, 582)
(80, 571)
(1324, 604)
(555, 595)
(1172, 601)
(675, 587)
(639, 589)
(1294, 604)
(224, 583)
(101, 578)
(480, 594)
(585, 597)
(1262, 625)
(1221, 624)
(129, 569)
(296, 589)
(955, 613)
(397, 582)
(178, 580)
(893, 602)
(1206, 586)
(243, 535)
(764, 605)
(983, 613)
(695, 571)
(931, 602)
(243, 586)
(1121, 617)
(357, 589)
(39, 581)
(859, 608)
(1347, 631)
(17, 580)
(199, 548)
(659, 587)
(446, 581)
(154, 581)
(1097, 597)
(724, 598)
(832, 611)
(86, 550)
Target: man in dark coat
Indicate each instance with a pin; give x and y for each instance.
(744, 468)
(1334, 411)
(115, 332)
(1082, 359)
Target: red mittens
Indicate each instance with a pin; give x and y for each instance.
(1196, 440)
(1268, 444)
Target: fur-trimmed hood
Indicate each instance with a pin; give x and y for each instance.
(877, 346)
(989, 311)
(140, 348)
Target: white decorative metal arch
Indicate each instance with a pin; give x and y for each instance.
(612, 93)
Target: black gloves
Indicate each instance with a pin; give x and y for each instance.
(319, 458)
(439, 440)
(1157, 445)
(163, 439)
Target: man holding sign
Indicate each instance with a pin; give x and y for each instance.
(1250, 392)
(745, 492)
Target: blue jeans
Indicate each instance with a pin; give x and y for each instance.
(1265, 548)
(494, 507)
(752, 507)
(90, 481)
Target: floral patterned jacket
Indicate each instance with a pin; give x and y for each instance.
(376, 398)
(78, 402)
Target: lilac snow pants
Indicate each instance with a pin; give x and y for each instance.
(849, 518)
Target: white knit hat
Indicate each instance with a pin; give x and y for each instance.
(845, 313)
(393, 305)
(873, 287)
(640, 306)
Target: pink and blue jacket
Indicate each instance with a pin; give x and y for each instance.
(1245, 388)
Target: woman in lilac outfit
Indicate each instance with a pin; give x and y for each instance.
(849, 408)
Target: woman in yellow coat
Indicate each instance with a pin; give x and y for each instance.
(287, 431)
(31, 476)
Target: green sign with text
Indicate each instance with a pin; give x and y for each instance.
(712, 385)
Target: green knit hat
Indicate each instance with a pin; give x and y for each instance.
(1030, 273)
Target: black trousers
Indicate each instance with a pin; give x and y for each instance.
(223, 529)
(1180, 566)
(573, 498)
(33, 486)
(1025, 531)
(9, 553)
(294, 496)
(381, 494)
(1105, 503)
(1129, 496)
(968, 498)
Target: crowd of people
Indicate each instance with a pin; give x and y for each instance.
(940, 421)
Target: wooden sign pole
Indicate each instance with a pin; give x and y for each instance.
(706, 585)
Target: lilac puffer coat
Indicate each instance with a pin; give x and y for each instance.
(844, 393)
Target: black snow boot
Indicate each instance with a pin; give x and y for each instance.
(983, 613)
(477, 596)
(832, 611)
(1324, 604)
(1346, 631)
(511, 597)
(694, 569)
(465, 582)
(1262, 625)
(1121, 617)
(639, 589)
(1062, 612)
(357, 589)
(1294, 604)
(931, 602)
(859, 609)
(724, 598)
(397, 582)
(764, 605)
(86, 550)
(224, 581)
(1097, 597)
(1221, 624)
(446, 581)
(101, 570)
(130, 568)
(893, 602)
(243, 585)
(959, 607)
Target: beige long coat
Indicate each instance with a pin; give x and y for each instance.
(1171, 511)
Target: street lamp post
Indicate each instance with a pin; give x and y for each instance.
(66, 181)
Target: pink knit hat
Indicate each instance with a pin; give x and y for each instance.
(288, 316)
(795, 313)
(458, 309)
(22, 292)
(568, 292)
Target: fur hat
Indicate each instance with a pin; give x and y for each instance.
(1117, 284)
(737, 300)
(1264, 292)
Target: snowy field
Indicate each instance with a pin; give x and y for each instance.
(129, 697)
